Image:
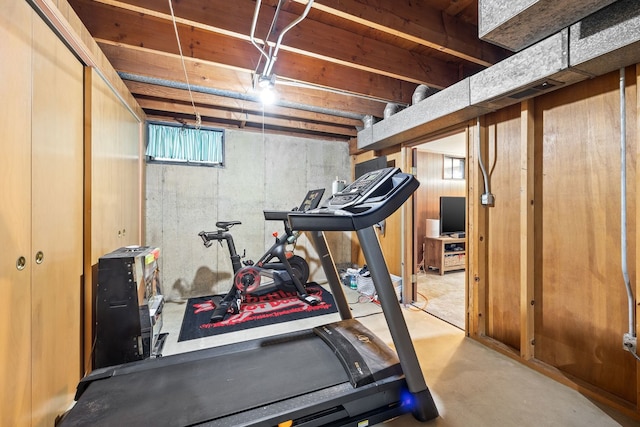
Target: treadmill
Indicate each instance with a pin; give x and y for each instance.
(334, 374)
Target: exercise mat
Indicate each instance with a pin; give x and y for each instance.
(274, 307)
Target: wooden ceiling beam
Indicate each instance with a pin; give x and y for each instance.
(159, 35)
(159, 118)
(417, 22)
(145, 62)
(345, 60)
(237, 105)
(457, 6)
(309, 38)
(171, 108)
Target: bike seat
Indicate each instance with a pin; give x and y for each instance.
(225, 225)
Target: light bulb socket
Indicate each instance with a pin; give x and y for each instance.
(267, 81)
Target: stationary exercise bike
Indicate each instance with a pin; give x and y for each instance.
(289, 273)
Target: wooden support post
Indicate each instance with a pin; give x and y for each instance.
(476, 235)
(527, 302)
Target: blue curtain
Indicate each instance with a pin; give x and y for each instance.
(183, 144)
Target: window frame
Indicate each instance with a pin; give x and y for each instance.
(174, 161)
(449, 171)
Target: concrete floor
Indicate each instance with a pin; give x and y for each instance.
(471, 384)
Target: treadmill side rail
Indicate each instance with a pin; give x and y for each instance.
(365, 357)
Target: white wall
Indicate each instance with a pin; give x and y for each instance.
(261, 172)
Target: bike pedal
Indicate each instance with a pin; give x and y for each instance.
(215, 318)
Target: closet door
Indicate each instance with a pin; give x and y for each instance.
(115, 168)
(130, 169)
(57, 224)
(16, 262)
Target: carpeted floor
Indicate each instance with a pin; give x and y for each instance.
(442, 296)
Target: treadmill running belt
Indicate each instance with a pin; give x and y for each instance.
(207, 388)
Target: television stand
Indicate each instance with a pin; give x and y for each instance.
(445, 253)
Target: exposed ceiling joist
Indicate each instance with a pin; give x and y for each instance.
(420, 23)
(353, 56)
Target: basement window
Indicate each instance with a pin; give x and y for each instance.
(184, 145)
(453, 168)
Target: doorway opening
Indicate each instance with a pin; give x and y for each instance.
(440, 227)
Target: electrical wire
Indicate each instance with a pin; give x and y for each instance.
(184, 68)
(362, 298)
(487, 190)
(623, 212)
(414, 307)
(623, 203)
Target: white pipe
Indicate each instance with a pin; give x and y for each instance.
(623, 203)
(266, 39)
(253, 30)
(269, 64)
(482, 168)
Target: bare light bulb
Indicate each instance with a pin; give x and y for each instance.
(267, 95)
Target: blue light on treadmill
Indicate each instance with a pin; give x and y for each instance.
(407, 399)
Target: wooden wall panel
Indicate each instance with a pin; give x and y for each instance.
(113, 187)
(131, 163)
(503, 236)
(15, 212)
(581, 304)
(105, 185)
(115, 140)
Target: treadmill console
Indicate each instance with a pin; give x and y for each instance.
(365, 202)
(359, 188)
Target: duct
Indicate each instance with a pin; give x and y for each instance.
(237, 95)
(422, 92)
(391, 109)
(537, 69)
(562, 59)
(524, 22)
(368, 121)
(607, 40)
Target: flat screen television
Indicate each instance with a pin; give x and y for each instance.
(453, 215)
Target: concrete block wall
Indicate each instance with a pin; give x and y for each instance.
(261, 172)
